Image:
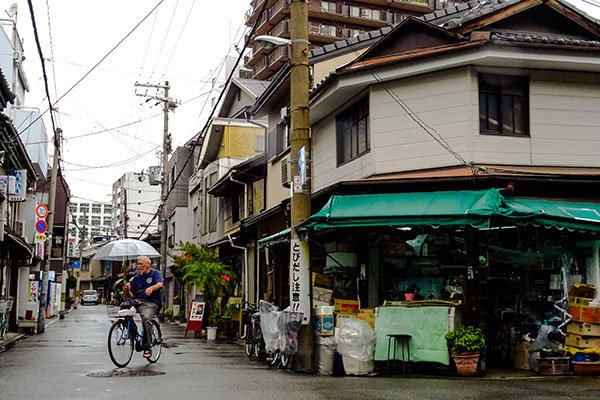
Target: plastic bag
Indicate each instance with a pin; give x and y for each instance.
(324, 354)
(269, 314)
(356, 339)
(288, 325)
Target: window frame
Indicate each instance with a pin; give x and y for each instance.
(496, 91)
(349, 123)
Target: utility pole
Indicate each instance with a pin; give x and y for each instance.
(300, 156)
(77, 271)
(48, 244)
(168, 105)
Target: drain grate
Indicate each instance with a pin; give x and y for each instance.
(123, 373)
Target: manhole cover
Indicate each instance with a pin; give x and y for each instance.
(122, 373)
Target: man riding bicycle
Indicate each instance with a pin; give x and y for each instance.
(145, 289)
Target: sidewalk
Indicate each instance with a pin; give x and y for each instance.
(9, 340)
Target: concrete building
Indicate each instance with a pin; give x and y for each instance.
(134, 203)
(93, 218)
(328, 22)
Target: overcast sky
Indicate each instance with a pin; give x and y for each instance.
(183, 41)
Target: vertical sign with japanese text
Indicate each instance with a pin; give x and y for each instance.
(300, 278)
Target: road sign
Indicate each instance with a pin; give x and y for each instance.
(40, 237)
(41, 211)
(41, 226)
(76, 265)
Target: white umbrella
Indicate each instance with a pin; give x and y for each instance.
(125, 249)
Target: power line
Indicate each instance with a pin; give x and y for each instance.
(92, 69)
(203, 131)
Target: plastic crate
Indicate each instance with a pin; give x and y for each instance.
(553, 365)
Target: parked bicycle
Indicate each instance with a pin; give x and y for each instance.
(255, 345)
(124, 335)
(5, 307)
(280, 333)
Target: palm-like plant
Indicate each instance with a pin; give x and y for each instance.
(198, 265)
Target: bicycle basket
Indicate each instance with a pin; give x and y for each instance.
(112, 311)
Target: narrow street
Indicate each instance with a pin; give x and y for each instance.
(70, 361)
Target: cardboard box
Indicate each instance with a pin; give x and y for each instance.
(584, 328)
(322, 294)
(322, 310)
(323, 325)
(582, 342)
(341, 316)
(321, 280)
(584, 313)
(367, 317)
(582, 290)
(346, 306)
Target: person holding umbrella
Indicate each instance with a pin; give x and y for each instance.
(145, 289)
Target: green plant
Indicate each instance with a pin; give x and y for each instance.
(169, 314)
(199, 265)
(176, 299)
(465, 339)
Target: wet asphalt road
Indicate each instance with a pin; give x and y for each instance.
(70, 361)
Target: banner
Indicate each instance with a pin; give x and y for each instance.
(300, 278)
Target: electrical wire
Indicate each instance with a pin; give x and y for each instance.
(44, 74)
(432, 132)
(115, 164)
(202, 133)
(93, 68)
(178, 39)
(158, 57)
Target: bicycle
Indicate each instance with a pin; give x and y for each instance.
(254, 343)
(5, 307)
(124, 336)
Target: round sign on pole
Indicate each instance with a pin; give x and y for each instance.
(76, 265)
(41, 211)
(41, 226)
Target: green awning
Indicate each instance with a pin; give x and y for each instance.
(476, 208)
(279, 237)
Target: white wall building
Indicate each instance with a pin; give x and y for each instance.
(93, 218)
(134, 204)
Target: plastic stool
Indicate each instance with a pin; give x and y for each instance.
(404, 341)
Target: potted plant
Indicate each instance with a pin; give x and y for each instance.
(176, 304)
(466, 343)
(201, 267)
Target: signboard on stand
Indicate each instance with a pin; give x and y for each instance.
(195, 316)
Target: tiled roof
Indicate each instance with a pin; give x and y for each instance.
(256, 86)
(538, 38)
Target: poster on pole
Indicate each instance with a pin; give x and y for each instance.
(300, 279)
(195, 316)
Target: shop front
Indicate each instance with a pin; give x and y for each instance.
(420, 264)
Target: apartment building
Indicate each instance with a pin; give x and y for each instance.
(328, 22)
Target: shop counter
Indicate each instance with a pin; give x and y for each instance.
(426, 324)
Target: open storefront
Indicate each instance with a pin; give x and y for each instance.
(429, 261)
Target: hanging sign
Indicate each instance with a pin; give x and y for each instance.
(300, 278)
(20, 185)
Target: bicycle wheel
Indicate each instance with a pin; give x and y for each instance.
(286, 360)
(249, 345)
(120, 344)
(156, 343)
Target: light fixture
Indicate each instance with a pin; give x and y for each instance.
(269, 42)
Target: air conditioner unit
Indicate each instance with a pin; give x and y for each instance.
(286, 172)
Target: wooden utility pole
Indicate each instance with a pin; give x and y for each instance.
(300, 156)
(168, 105)
(48, 244)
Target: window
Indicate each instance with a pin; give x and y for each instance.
(96, 221)
(259, 143)
(328, 6)
(279, 140)
(352, 131)
(503, 104)
(211, 205)
(84, 207)
(96, 208)
(355, 11)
